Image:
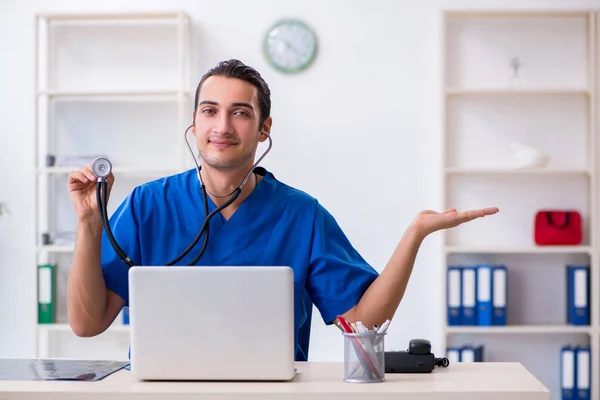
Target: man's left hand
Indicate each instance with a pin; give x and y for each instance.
(428, 221)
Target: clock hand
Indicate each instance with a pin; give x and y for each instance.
(289, 46)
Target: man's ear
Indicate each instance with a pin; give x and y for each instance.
(266, 127)
(193, 123)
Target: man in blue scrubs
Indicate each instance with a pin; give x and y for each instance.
(270, 223)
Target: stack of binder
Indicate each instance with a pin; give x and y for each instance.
(466, 353)
(578, 294)
(476, 295)
(575, 369)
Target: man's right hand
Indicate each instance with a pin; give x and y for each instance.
(92, 308)
(82, 190)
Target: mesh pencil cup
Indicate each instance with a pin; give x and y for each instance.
(364, 357)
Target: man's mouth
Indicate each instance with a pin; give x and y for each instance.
(221, 143)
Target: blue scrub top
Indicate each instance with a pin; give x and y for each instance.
(275, 225)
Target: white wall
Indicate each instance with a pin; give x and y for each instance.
(364, 122)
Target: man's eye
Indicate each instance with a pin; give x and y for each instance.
(242, 113)
(207, 111)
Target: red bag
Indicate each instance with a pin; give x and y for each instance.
(557, 227)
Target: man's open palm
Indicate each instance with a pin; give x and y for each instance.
(429, 221)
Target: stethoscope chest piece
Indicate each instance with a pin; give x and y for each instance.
(101, 167)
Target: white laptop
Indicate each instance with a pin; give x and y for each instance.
(212, 323)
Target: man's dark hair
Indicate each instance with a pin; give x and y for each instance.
(237, 69)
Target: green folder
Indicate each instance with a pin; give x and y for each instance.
(46, 293)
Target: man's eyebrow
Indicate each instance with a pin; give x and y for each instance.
(212, 103)
(247, 105)
(237, 104)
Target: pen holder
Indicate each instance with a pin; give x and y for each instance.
(364, 357)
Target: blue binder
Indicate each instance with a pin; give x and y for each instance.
(453, 354)
(453, 295)
(484, 295)
(469, 295)
(578, 294)
(582, 372)
(471, 353)
(125, 315)
(499, 294)
(568, 373)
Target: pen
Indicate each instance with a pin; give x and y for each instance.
(367, 340)
(348, 329)
(362, 329)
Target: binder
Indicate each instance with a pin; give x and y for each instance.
(469, 296)
(125, 315)
(484, 295)
(453, 354)
(499, 294)
(46, 293)
(567, 373)
(453, 297)
(470, 353)
(582, 372)
(578, 295)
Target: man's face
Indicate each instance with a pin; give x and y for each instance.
(227, 122)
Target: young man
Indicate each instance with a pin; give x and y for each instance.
(270, 223)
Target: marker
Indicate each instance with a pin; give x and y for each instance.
(361, 327)
(384, 326)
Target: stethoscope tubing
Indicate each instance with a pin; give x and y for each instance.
(101, 199)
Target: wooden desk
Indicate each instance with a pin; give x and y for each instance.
(314, 381)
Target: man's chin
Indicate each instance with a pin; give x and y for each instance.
(223, 163)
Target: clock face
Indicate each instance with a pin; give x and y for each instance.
(290, 46)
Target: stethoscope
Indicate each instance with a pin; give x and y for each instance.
(102, 167)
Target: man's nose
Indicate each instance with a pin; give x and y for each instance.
(224, 125)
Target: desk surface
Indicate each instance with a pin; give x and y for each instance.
(314, 381)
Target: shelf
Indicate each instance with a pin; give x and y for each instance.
(520, 92)
(515, 171)
(520, 250)
(65, 327)
(122, 94)
(56, 249)
(518, 84)
(519, 329)
(110, 84)
(116, 170)
(114, 16)
(517, 13)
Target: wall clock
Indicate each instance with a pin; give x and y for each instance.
(290, 45)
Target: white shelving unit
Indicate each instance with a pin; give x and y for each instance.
(551, 107)
(116, 85)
